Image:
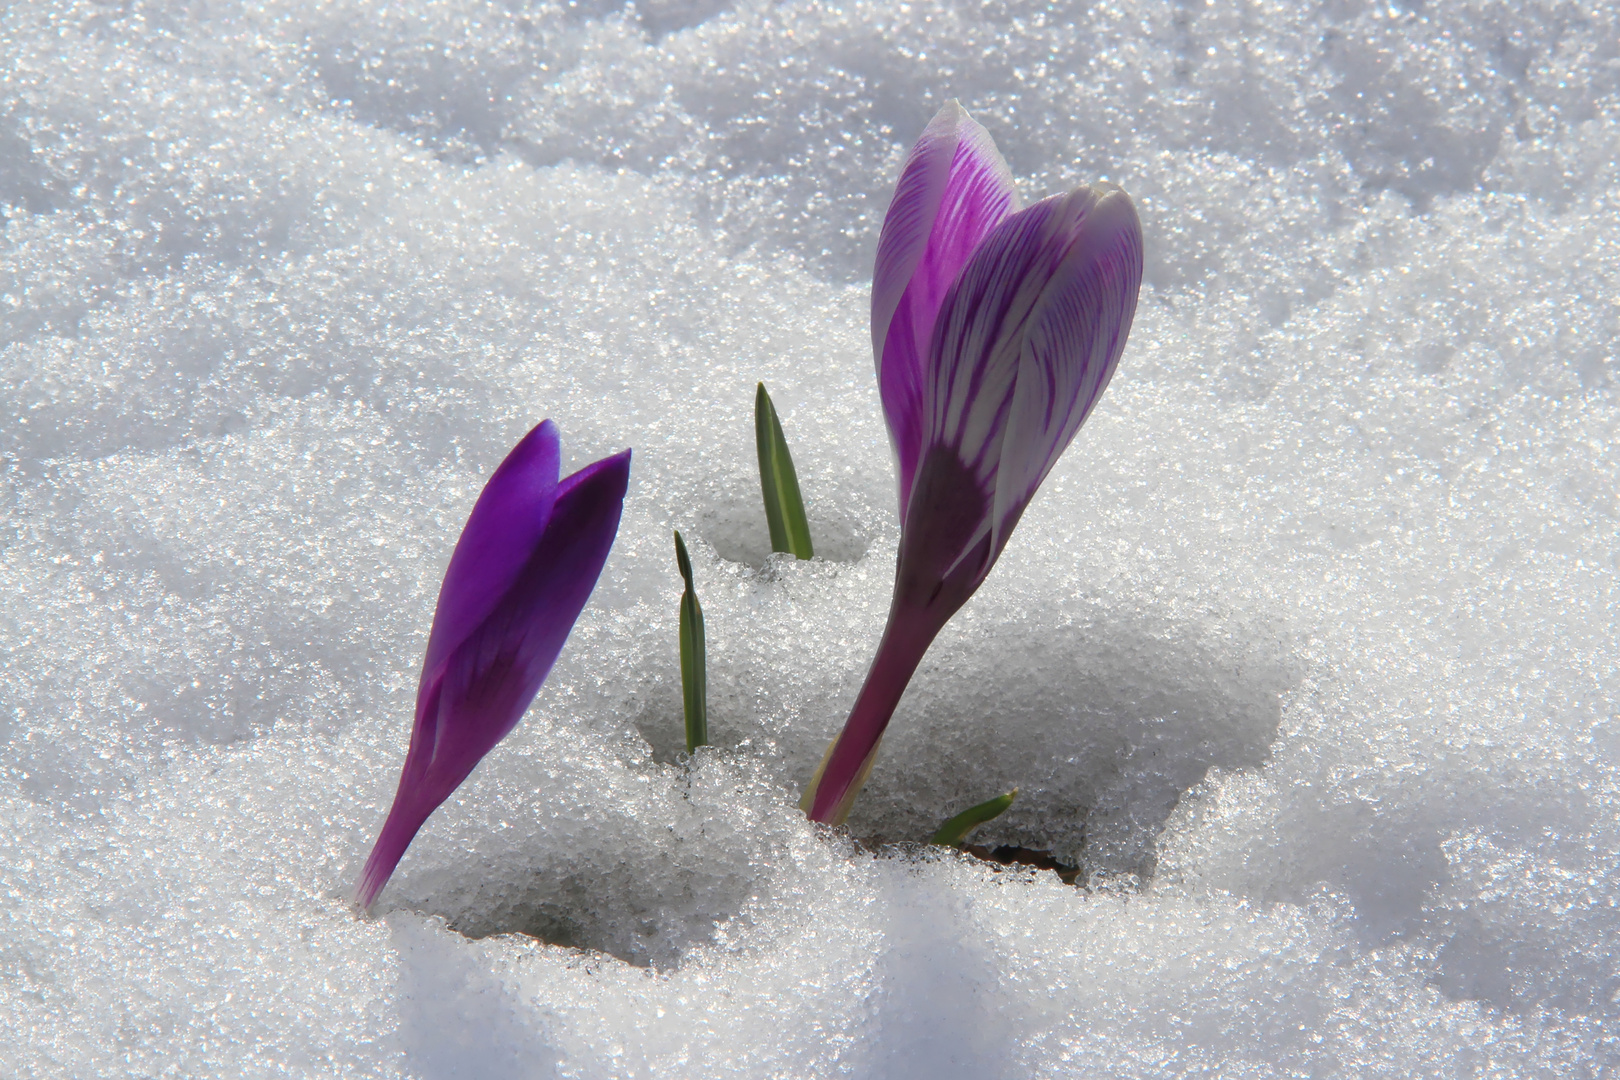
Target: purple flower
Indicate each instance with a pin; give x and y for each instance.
(526, 562)
(996, 331)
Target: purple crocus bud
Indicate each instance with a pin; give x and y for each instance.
(526, 562)
(1023, 340)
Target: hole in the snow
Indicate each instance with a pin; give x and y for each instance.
(1101, 729)
(736, 528)
(642, 866)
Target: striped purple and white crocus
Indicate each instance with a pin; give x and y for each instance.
(995, 331)
(526, 563)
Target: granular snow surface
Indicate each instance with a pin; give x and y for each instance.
(1305, 654)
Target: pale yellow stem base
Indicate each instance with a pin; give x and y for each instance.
(841, 811)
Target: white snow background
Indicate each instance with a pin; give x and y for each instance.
(1305, 652)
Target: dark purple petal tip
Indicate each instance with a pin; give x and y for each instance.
(506, 522)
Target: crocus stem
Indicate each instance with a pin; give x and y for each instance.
(833, 789)
(405, 820)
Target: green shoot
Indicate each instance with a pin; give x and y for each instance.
(778, 483)
(954, 831)
(694, 672)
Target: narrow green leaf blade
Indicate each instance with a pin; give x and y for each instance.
(694, 665)
(765, 445)
(778, 482)
(954, 831)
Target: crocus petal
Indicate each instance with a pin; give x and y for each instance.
(489, 678)
(973, 366)
(953, 189)
(506, 522)
(1070, 350)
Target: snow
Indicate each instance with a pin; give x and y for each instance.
(1305, 652)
